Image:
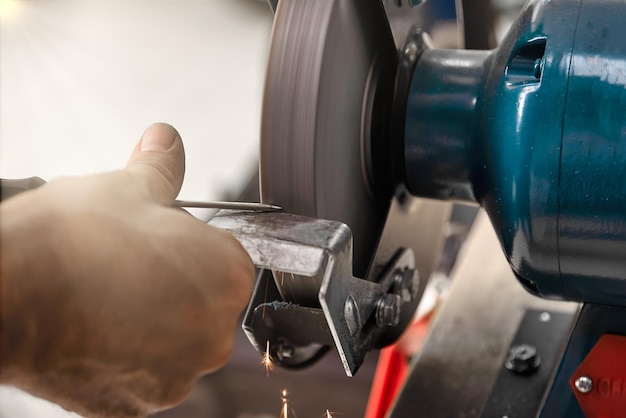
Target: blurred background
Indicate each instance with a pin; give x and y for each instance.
(79, 82)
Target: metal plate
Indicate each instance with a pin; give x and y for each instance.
(454, 373)
(520, 395)
(593, 322)
(330, 62)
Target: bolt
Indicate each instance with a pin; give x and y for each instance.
(406, 284)
(388, 310)
(410, 52)
(523, 359)
(583, 384)
(545, 317)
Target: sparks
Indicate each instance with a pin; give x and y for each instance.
(284, 412)
(328, 414)
(267, 359)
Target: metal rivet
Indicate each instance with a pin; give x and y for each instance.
(583, 384)
(352, 316)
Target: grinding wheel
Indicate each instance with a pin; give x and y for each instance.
(329, 84)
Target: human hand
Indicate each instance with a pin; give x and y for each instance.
(114, 303)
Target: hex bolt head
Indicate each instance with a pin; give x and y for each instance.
(388, 310)
(406, 284)
(523, 359)
(583, 384)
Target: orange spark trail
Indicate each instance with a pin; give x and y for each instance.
(267, 360)
(284, 413)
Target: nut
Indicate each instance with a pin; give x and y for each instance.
(523, 359)
(388, 310)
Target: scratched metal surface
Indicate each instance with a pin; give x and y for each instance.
(454, 373)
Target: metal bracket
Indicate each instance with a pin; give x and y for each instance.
(311, 261)
(407, 17)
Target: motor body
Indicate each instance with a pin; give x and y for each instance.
(535, 131)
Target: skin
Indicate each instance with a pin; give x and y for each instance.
(114, 303)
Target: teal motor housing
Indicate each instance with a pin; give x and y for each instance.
(534, 131)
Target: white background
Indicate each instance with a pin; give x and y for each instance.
(81, 80)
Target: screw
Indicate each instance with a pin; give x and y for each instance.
(406, 284)
(583, 384)
(388, 310)
(523, 359)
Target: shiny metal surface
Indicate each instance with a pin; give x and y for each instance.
(225, 205)
(453, 375)
(533, 131)
(328, 61)
(314, 258)
(289, 243)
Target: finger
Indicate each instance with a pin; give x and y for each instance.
(158, 163)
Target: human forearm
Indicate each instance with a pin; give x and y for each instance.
(104, 285)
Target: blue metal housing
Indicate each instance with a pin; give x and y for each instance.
(535, 131)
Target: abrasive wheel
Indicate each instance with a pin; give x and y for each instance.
(329, 83)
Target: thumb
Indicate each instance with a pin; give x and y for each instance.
(158, 163)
